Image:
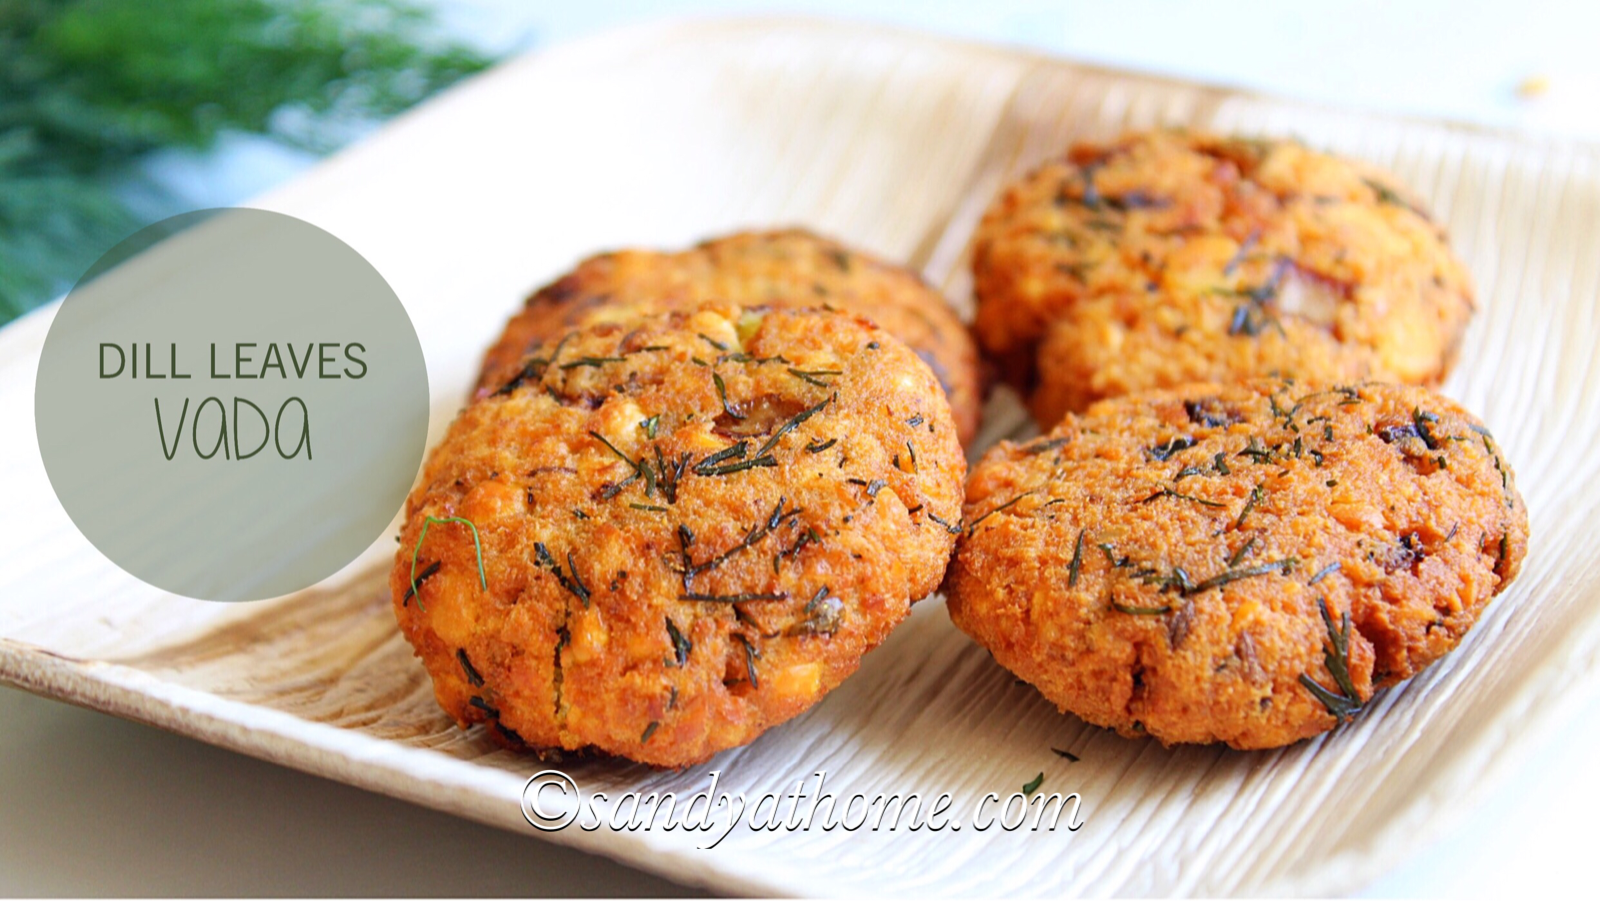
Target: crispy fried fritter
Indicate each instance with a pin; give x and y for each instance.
(1171, 257)
(692, 528)
(1159, 564)
(790, 268)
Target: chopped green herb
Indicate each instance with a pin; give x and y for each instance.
(416, 582)
(649, 731)
(1256, 494)
(1386, 194)
(1336, 656)
(734, 598)
(791, 425)
(722, 393)
(1163, 452)
(1249, 572)
(732, 451)
(1140, 611)
(750, 656)
(1324, 572)
(669, 475)
(752, 537)
(533, 369)
(1033, 786)
(1261, 455)
(1067, 754)
(1421, 419)
(649, 426)
(1049, 444)
(974, 526)
(815, 376)
(633, 464)
(595, 362)
(1168, 492)
(473, 677)
(1077, 560)
(681, 645)
(572, 582)
(477, 546)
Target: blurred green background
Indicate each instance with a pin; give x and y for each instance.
(89, 88)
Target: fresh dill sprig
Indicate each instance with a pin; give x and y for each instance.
(1256, 494)
(722, 393)
(734, 598)
(474, 678)
(1166, 491)
(639, 470)
(1345, 703)
(477, 545)
(815, 376)
(592, 362)
(1077, 560)
(1140, 611)
(681, 645)
(573, 582)
(417, 580)
(973, 527)
(1233, 575)
(793, 423)
(751, 653)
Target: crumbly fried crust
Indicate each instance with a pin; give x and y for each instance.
(789, 268)
(692, 528)
(1173, 257)
(1158, 564)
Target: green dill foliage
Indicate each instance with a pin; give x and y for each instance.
(1346, 702)
(1077, 560)
(681, 645)
(477, 546)
(87, 87)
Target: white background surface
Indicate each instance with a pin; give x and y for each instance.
(93, 805)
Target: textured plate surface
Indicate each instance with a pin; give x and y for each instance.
(663, 135)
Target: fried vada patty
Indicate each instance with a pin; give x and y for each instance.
(692, 527)
(1172, 257)
(790, 268)
(1243, 564)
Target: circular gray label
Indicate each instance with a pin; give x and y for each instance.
(232, 404)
